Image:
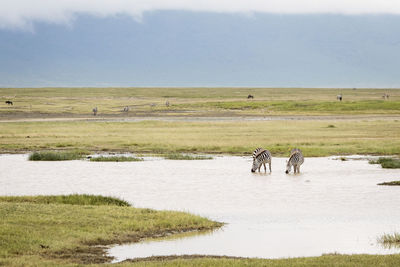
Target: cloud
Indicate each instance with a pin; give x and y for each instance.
(22, 14)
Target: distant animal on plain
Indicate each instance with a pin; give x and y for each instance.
(8, 102)
(296, 159)
(126, 109)
(167, 103)
(260, 157)
(339, 97)
(385, 96)
(94, 111)
(250, 96)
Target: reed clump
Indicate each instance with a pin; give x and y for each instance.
(57, 155)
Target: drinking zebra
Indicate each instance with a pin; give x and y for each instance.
(294, 150)
(296, 159)
(260, 157)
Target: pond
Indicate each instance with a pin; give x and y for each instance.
(331, 206)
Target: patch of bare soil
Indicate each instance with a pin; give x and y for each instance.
(94, 252)
(179, 116)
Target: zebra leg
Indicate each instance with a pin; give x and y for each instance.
(295, 168)
(298, 169)
(270, 170)
(265, 168)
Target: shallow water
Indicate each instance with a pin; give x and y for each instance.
(332, 206)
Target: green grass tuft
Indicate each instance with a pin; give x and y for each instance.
(56, 155)
(393, 239)
(387, 163)
(74, 199)
(390, 183)
(116, 159)
(176, 156)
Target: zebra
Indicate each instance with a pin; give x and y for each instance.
(296, 159)
(295, 150)
(126, 109)
(167, 104)
(8, 102)
(94, 111)
(339, 97)
(260, 157)
(250, 96)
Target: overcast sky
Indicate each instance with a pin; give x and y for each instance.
(23, 13)
(289, 43)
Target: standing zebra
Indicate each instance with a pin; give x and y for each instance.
(260, 157)
(94, 111)
(339, 97)
(296, 159)
(294, 150)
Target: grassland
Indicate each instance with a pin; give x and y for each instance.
(78, 102)
(315, 138)
(48, 230)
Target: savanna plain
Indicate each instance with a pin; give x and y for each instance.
(73, 230)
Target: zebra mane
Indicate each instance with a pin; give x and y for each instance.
(294, 153)
(258, 151)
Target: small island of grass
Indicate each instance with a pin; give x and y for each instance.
(176, 156)
(387, 163)
(57, 155)
(392, 183)
(115, 159)
(390, 239)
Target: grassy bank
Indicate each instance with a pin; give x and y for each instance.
(47, 230)
(327, 260)
(315, 138)
(67, 102)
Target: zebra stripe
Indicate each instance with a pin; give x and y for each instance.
(294, 150)
(296, 159)
(261, 157)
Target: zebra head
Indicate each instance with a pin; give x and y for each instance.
(288, 166)
(256, 165)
